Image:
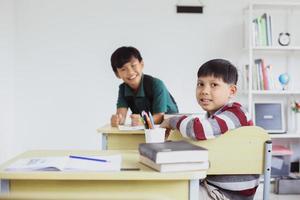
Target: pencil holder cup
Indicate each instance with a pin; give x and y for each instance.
(156, 135)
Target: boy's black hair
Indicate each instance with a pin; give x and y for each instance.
(219, 68)
(123, 55)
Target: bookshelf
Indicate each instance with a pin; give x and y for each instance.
(264, 23)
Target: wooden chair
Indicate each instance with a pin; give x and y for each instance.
(245, 150)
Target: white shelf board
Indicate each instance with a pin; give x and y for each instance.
(284, 135)
(276, 48)
(275, 92)
(274, 4)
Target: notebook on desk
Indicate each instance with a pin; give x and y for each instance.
(68, 163)
(128, 127)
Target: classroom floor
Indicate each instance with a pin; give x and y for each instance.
(259, 195)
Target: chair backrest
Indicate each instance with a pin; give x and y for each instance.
(239, 151)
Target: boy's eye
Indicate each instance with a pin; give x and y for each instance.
(200, 84)
(214, 84)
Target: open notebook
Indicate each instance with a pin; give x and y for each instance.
(67, 163)
(128, 127)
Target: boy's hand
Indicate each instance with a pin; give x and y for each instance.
(115, 120)
(166, 124)
(136, 120)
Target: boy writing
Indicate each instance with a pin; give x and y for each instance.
(216, 85)
(138, 91)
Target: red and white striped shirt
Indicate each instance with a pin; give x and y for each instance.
(230, 116)
(197, 127)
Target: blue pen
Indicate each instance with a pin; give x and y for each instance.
(151, 119)
(86, 158)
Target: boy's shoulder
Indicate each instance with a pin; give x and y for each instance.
(232, 105)
(149, 77)
(239, 111)
(152, 81)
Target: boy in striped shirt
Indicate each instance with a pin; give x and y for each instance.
(216, 85)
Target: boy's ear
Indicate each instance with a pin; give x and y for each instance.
(117, 74)
(233, 90)
(142, 63)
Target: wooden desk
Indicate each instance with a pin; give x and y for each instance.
(114, 139)
(142, 184)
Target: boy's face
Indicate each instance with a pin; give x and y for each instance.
(131, 73)
(213, 93)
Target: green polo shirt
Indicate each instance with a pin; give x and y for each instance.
(162, 101)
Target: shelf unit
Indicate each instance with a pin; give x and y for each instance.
(279, 48)
(285, 135)
(285, 53)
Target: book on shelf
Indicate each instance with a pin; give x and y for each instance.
(279, 150)
(255, 30)
(174, 167)
(262, 76)
(262, 30)
(269, 30)
(245, 75)
(67, 163)
(173, 152)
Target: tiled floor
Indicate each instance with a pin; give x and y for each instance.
(259, 195)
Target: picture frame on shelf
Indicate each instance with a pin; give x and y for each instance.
(270, 116)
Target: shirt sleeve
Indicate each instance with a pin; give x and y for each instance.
(121, 102)
(199, 128)
(160, 96)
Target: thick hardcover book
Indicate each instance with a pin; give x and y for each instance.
(173, 152)
(175, 167)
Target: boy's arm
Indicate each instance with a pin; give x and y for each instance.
(198, 128)
(158, 118)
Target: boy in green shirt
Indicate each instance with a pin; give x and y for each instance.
(138, 91)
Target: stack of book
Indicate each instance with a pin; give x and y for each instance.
(174, 156)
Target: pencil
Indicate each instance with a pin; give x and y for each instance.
(86, 158)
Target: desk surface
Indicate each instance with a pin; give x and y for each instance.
(129, 160)
(124, 185)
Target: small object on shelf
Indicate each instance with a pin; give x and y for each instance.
(295, 106)
(284, 38)
(270, 116)
(284, 80)
(281, 161)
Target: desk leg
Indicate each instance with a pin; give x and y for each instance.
(4, 186)
(194, 189)
(267, 169)
(104, 141)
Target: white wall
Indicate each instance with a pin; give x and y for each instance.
(6, 79)
(57, 85)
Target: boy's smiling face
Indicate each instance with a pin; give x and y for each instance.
(131, 73)
(213, 93)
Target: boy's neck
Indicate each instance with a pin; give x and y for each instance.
(209, 114)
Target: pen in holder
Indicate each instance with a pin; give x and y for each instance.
(147, 120)
(155, 135)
